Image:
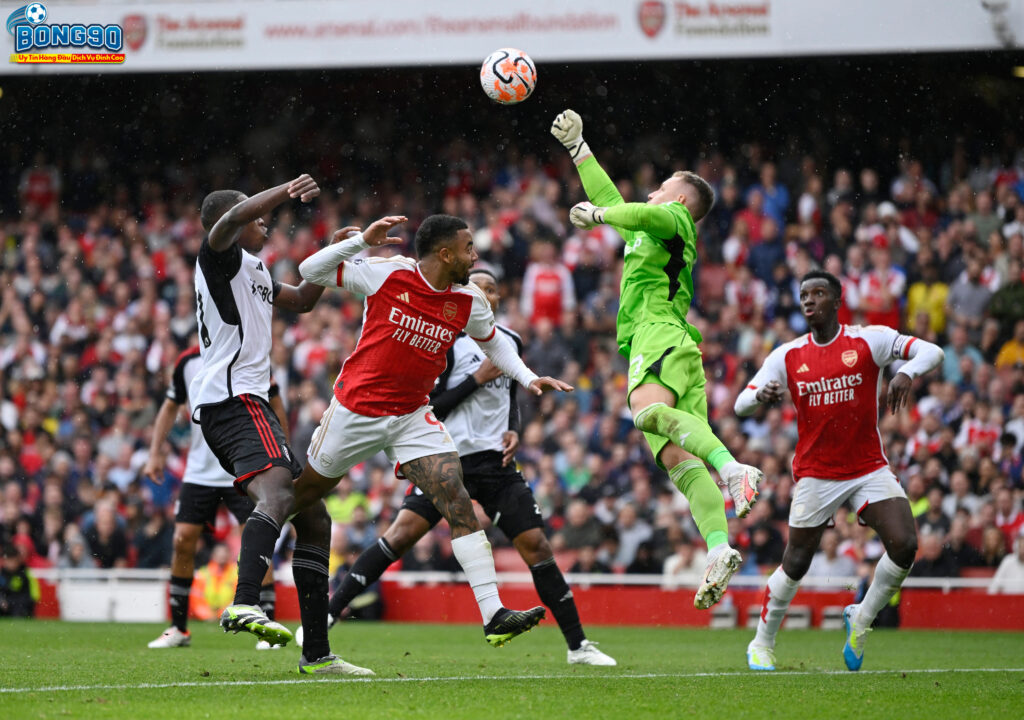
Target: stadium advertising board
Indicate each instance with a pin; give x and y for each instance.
(278, 34)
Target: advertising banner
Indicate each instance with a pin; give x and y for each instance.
(140, 36)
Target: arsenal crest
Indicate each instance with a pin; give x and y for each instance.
(651, 15)
(450, 310)
(134, 31)
(849, 358)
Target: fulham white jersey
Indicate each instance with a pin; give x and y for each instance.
(202, 467)
(476, 416)
(234, 307)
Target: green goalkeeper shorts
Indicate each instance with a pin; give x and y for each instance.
(666, 354)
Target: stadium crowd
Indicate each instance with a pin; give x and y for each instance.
(98, 301)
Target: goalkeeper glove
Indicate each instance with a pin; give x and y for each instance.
(568, 130)
(586, 215)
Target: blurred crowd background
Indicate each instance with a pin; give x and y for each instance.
(924, 225)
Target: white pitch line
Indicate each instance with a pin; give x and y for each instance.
(465, 678)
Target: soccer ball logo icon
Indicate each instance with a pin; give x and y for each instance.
(35, 13)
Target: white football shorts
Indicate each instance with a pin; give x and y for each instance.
(344, 438)
(815, 501)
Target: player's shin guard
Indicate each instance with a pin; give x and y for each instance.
(309, 567)
(706, 503)
(686, 430)
(777, 597)
(474, 555)
(268, 599)
(888, 578)
(181, 587)
(555, 593)
(365, 571)
(258, 540)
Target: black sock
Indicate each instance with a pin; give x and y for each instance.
(268, 599)
(555, 593)
(180, 589)
(309, 568)
(365, 571)
(258, 541)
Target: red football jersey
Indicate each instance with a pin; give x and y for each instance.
(408, 327)
(835, 390)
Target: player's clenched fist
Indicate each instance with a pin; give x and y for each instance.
(568, 130)
(586, 215)
(303, 187)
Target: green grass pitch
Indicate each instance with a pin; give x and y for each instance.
(70, 670)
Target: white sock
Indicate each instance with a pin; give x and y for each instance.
(729, 468)
(474, 555)
(888, 578)
(777, 597)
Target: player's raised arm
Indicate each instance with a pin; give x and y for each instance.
(227, 229)
(325, 267)
(568, 130)
(655, 220)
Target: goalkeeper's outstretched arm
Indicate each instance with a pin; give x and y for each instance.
(654, 220)
(568, 130)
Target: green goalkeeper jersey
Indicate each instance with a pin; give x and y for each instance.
(661, 247)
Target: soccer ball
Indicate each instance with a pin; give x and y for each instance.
(508, 76)
(35, 13)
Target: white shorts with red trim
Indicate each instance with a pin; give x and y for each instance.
(815, 501)
(344, 438)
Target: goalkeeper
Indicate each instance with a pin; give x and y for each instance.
(666, 374)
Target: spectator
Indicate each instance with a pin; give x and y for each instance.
(1009, 518)
(827, 563)
(631, 531)
(775, 195)
(1009, 577)
(960, 496)
(581, 528)
(548, 289)
(933, 560)
(968, 298)
(19, 589)
(213, 588)
(106, 540)
(644, 562)
(934, 521)
(957, 548)
(993, 546)
(882, 288)
(587, 562)
(684, 567)
(959, 347)
(928, 295)
(1012, 351)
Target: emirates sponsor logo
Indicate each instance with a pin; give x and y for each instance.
(829, 391)
(827, 384)
(416, 324)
